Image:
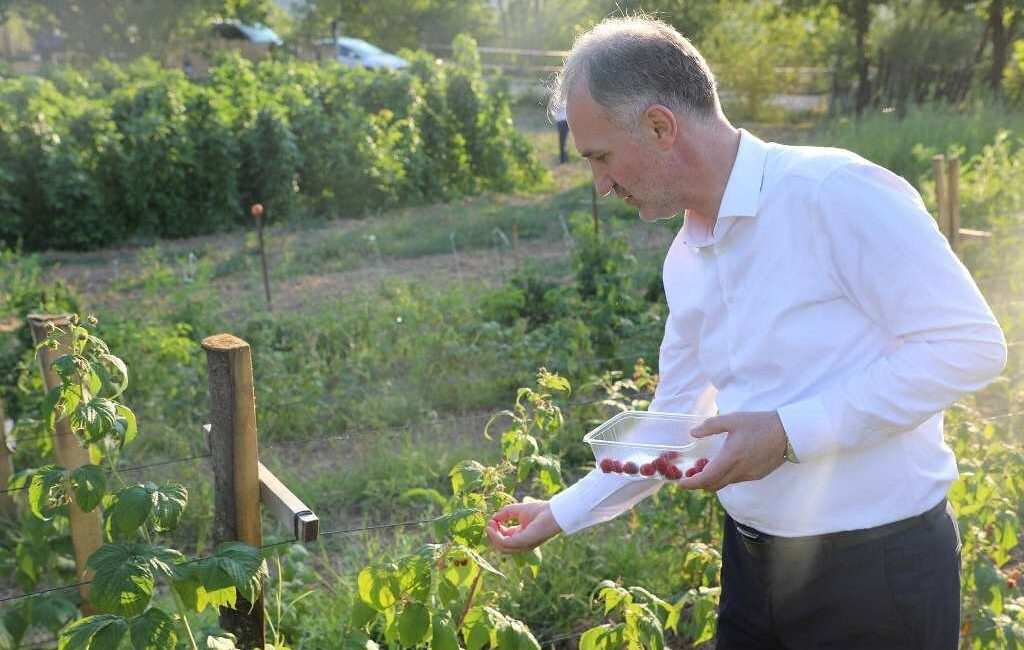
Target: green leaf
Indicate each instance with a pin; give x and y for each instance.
(121, 384)
(466, 526)
(47, 491)
(466, 475)
(95, 418)
(415, 573)
(476, 628)
(127, 510)
(124, 578)
(549, 473)
(89, 483)
(233, 564)
(444, 635)
(359, 640)
(553, 382)
(603, 637)
(153, 630)
(125, 424)
(413, 624)
(100, 632)
(50, 405)
(379, 586)
(482, 563)
(169, 501)
(531, 559)
(361, 614)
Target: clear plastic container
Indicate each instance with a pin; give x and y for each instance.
(650, 446)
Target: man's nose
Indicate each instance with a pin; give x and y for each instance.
(603, 184)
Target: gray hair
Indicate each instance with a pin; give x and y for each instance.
(633, 62)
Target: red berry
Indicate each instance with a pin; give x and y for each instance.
(690, 472)
(670, 455)
(661, 465)
(257, 210)
(617, 466)
(702, 463)
(630, 468)
(647, 469)
(607, 465)
(674, 473)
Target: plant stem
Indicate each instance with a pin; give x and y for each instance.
(184, 619)
(469, 600)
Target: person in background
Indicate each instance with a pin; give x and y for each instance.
(563, 133)
(821, 322)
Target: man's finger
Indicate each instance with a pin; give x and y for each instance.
(712, 426)
(712, 477)
(511, 511)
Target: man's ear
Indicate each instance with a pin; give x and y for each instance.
(661, 124)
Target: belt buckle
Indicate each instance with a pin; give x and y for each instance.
(751, 534)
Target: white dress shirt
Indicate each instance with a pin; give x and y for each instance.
(825, 291)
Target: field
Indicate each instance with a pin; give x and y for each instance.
(394, 339)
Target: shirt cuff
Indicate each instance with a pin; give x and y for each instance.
(809, 429)
(596, 498)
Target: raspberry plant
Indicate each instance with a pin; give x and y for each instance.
(127, 567)
(440, 593)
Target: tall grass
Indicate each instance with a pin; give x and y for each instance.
(905, 144)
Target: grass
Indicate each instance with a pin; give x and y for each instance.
(905, 144)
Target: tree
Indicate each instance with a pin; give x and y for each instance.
(1002, 20)
(858, 15)
(91, 29)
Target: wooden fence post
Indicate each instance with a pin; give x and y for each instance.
(953, 202)
(8, 509)
(86, 527)
(235, 459)
(939, 171)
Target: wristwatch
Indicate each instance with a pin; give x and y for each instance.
(790, 454)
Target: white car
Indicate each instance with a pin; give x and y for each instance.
(356, 52)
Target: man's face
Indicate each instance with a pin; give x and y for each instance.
(622, 161)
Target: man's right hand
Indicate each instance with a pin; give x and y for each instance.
(535, 525)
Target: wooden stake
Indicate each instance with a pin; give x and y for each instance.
(288, 509)
(939, 169)
(263, 262)
(8, 509)
(235, 458)
(953, 202)
(86, 528)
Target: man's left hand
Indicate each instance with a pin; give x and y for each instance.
(754, 447)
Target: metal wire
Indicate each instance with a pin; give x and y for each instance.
(129, 469)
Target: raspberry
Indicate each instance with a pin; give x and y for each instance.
(647, 469)
(691, 471)
(630, 468)
(661, 465)
(670, 455)
(674, 473)
(617, 466)
(607, 465)
(702, 463)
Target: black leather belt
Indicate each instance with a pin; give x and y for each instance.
(756, 541)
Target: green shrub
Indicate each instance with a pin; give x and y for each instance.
(91, 158)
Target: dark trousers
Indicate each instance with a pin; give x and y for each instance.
(563, 135)
(895, 589)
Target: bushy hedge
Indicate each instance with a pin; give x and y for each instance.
(91, 158)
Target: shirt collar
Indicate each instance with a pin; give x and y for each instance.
(742, 193)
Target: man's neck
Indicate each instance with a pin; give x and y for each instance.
(719, 152)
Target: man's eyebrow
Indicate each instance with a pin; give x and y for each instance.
(589, 154)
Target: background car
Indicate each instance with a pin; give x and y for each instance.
(356, 52)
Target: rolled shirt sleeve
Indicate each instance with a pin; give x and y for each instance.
(885, 251)
(600, 497)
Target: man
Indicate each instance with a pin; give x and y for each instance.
(814, 304)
